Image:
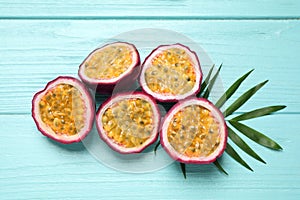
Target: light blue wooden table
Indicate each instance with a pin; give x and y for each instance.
(40, 40)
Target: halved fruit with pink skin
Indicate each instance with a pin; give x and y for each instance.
(64, 110)
(171, 73)
(106, 66)
(128, 122)
(194, 131)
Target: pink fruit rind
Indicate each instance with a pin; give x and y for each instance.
(161, 97)
(107, 86)
(90, 111)
(216, 113)
(116, 98)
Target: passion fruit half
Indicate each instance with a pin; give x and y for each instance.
(128, 123)
(171, 73)
(64, 110)
(194, 131)
(106, 66)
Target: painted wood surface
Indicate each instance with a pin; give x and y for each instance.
(40, 40)
(143, 9)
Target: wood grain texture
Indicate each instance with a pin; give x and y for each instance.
(33, 167)
(104, 9)
(41, 39)
(34, 52)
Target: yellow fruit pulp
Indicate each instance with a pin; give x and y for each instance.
(108, 63)
(63, 109)
(171, 72)
(129, 122)
(194, 132)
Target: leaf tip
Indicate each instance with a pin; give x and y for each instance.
(263, 161)
(249, 72)
(156, 147)
(279, 148)
(220, 168)
(183, 170)
(276, 147)
(248, 167)
(225, 173)
(265, 82)
(220, 67)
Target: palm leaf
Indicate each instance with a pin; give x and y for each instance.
(256, 136)
(167, 105)
(156, 146)
(205, 82)
(243, 99)
(258, 113)
(211, 83)
(230, 151)
(243, 145)
(219, 166)
(231, 90)
(182, 166)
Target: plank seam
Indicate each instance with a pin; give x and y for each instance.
(233, 18)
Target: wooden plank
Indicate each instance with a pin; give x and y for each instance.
(101, 9)
(35, 52)
(33, 167)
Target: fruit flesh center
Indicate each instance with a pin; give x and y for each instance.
(63, 109)
(129, 122)
(194, 132)
(171, 72)
(109, 62)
